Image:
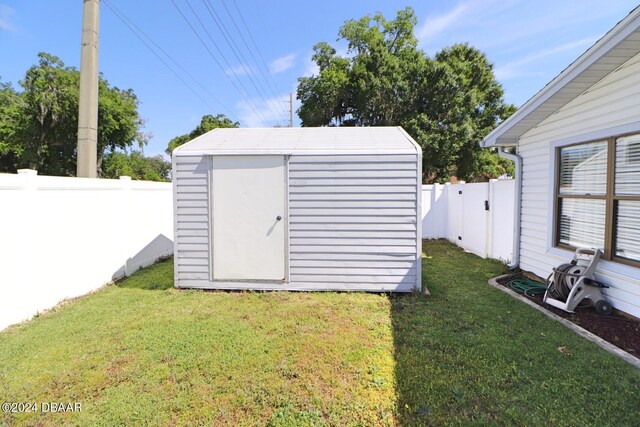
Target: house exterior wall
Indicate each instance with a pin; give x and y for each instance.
(354, 223)
(610, 107)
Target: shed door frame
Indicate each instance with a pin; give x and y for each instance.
(285, 221)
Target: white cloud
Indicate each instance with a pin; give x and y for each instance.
(6, 14)
(265, 112)
(310, 68)
(239, 70)
(282, 64)
(513, 69)
(474, 21)
(436, 24)
(511, 26)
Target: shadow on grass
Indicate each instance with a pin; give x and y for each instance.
(470, 355)
(156, 277)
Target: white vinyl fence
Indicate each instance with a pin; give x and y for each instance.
(63, 237)
(477, 217)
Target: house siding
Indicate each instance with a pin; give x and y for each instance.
(613, 102)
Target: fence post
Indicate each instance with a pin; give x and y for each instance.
(29, 206)
(490, 224)
(460, 234)
(28, 177)
(446, 191)
(434, 209)
(423, 212)
(21, 275)
(125, 208)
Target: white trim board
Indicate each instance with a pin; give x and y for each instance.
(292, 286)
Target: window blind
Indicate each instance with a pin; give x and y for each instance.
(583, 169)
(627, 176)
(628, 229)
(582, 222)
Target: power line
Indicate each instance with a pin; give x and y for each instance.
(266, 68)
(248, 101)
(244, 41)
(237, 52)
(265, 75)
(139, 33)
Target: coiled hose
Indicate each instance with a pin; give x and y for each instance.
(527, 287)
(562, 282)
(564, 277)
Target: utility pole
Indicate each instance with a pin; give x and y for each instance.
(88, 105)
(290, 110)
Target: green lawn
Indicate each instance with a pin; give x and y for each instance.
(143, 352)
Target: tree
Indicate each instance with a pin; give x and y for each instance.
(118, 120)
(136, 165)
(41, 122)
(10, 126)
(324, 97)
(447, 103)
(207, 124)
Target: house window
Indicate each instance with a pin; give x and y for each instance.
(598, 197)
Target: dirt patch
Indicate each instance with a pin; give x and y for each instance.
(619, 330)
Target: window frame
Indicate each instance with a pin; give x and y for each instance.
(610, 198)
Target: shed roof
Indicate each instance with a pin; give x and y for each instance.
(616, 47)
(310, 141)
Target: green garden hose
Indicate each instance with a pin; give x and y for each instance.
(527, 287)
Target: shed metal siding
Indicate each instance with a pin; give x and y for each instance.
(191, 198)
(353, 220)
(353, 207)
(614, 101)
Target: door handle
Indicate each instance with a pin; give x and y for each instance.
(278, 218)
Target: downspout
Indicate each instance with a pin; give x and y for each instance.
(517, 160)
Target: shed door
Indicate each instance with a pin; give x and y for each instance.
(249, 217)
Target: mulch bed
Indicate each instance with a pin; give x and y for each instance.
(618, 329)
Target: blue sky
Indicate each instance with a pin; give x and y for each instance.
(529, 43)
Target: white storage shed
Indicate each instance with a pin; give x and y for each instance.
(298, 209)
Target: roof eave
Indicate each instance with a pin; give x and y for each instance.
(499, 142)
